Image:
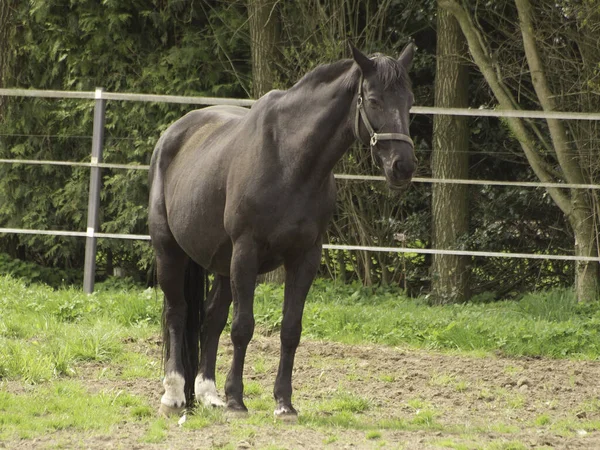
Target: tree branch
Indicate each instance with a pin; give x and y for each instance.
(506, 101)
(569, 164)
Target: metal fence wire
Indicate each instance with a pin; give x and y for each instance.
(100, 98)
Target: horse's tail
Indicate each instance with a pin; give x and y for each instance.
(196, 284)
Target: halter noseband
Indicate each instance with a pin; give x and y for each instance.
(375, 137)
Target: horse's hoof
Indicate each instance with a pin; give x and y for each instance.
(286, 414)
(236, 410)
(214, 402)
(169, 411)
(236, 413)
(206, 393)
(210, 401)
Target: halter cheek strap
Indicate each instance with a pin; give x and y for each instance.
(374, 137)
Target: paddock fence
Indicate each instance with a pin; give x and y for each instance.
(100, 97)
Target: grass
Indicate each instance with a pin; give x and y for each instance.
(44, 333)
(47, 336)
(548, 324)
(343, 401)
(64, 405)
(156, 432)
(373, 435)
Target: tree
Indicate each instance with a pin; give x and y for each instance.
(553, 153)
(6, 17)
(316, 32)
(263, 24)
(264, 27)
(148, 46)
(450, 159)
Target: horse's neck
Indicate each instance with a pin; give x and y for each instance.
(321, 118)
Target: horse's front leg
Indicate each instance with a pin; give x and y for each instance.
(300, 273)
(243, 271)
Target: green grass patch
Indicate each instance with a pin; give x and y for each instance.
(156, 432)
(425, 418)
(65, 405)
(263, 403)
(47, 336)
(542, 420)
(136, 365)
(342, 419)
(46, 333)
(202, 417)
(345, 402)
(542, 324)
(330, 439)
(506, 445)
(373, 435)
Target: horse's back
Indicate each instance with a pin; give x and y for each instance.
(179, 157)
(192, 129)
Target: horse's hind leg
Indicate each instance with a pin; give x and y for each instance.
(243, 279)
(215, 319)
(171, 264)
(300, 273)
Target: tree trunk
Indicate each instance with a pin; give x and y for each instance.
(10, 243)
(577, 206)
(586, 272)
(263, 23)
(6, 12)
(450, 159)
(581, 212)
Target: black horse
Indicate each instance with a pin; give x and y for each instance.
(238, 192)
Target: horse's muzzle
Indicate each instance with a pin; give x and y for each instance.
(401, 172)
(400, 186)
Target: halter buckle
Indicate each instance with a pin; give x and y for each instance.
(374, 140)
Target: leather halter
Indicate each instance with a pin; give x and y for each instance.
(374, 137)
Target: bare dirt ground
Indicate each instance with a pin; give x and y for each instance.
(443, 400)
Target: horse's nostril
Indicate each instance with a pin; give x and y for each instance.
(397, 166)
(403, 169)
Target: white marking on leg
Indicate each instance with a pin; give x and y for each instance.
(206, 392)
(285, 414)
(174, 395)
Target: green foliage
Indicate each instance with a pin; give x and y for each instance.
(35, 273)
(117, 284)
(509, 219)
(147, 46)
(203, 48)
(557, 305)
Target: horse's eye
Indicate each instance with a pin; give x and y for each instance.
(375, 103)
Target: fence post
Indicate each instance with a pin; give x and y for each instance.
(89, 270)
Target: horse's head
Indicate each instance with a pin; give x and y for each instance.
(382, 113)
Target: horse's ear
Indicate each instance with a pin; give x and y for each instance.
(366, 65)
(406, 57)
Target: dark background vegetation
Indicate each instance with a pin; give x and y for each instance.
(202, 47)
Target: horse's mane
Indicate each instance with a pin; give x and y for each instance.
(325, 73)
(388, 69)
